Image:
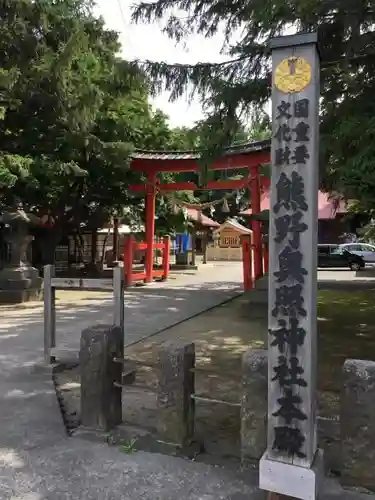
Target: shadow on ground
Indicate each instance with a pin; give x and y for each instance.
(346, 327)
(147, 311)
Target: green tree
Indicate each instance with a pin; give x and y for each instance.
(347, 35)
(198, 138)
(71, 114)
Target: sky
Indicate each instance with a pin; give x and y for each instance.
(148, 42)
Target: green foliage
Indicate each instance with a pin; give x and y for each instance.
(71, 114)
(129, 447)
(367, 232)
(242, 83)
(199, 138)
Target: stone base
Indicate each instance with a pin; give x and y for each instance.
(357, 423)
(180, 267)
(292, 480)
(183, 267)
(259, 294)
(262, 283)
(20, 296)
(182, 259)
(20, 284)
(253, 407)
(24, 273)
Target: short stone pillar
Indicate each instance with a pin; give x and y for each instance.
(253, 406)
(101, 400)
(176, 385)
(358, 423)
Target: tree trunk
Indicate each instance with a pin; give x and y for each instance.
(104, 245)
(48, 245)
(205, 241)
(94, 244)
(80, 244)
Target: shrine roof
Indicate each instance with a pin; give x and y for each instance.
(328, 205)
(237, 149)
(233, 223)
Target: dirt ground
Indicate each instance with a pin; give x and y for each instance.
(346, 329)
(221, 336)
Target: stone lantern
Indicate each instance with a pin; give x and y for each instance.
(19, 281)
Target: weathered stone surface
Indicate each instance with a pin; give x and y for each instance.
(262, 283)
(329, 441)
(19, 281)
(358, 423)
(100, 401)
(175, 387)
(253, 406)
(20, 284)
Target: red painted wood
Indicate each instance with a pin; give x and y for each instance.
(160, 246)
(265, 259)
(256, 225)
(248, 282)
(166, 256)
(128, 260)
(139, 276)
(131, 245)
(150, 225)
(190, 186)
(141, 246)
(251, 266)
(225, 163)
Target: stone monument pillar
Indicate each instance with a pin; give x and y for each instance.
(292, 464)
(19, 281)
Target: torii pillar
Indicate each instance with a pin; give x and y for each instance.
(256, 224)
(150, 225)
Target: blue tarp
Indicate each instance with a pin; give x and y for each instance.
(183, 243)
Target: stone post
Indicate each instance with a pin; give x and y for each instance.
(253, 406)
(358, 423)
(101, 401)
(49, 298)
(175, 387)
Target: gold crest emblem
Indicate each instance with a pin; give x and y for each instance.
(292, 75)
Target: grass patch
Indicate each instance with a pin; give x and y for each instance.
(346, 328)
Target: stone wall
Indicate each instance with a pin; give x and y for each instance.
(358, 423)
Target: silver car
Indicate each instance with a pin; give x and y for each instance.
(365, 250)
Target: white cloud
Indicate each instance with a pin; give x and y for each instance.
(148, 42)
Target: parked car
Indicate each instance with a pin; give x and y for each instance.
(365, 250)
(337, 256)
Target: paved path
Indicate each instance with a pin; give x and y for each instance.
(39, 462)
(147, 311)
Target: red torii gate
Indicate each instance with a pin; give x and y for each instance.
(246, 156)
